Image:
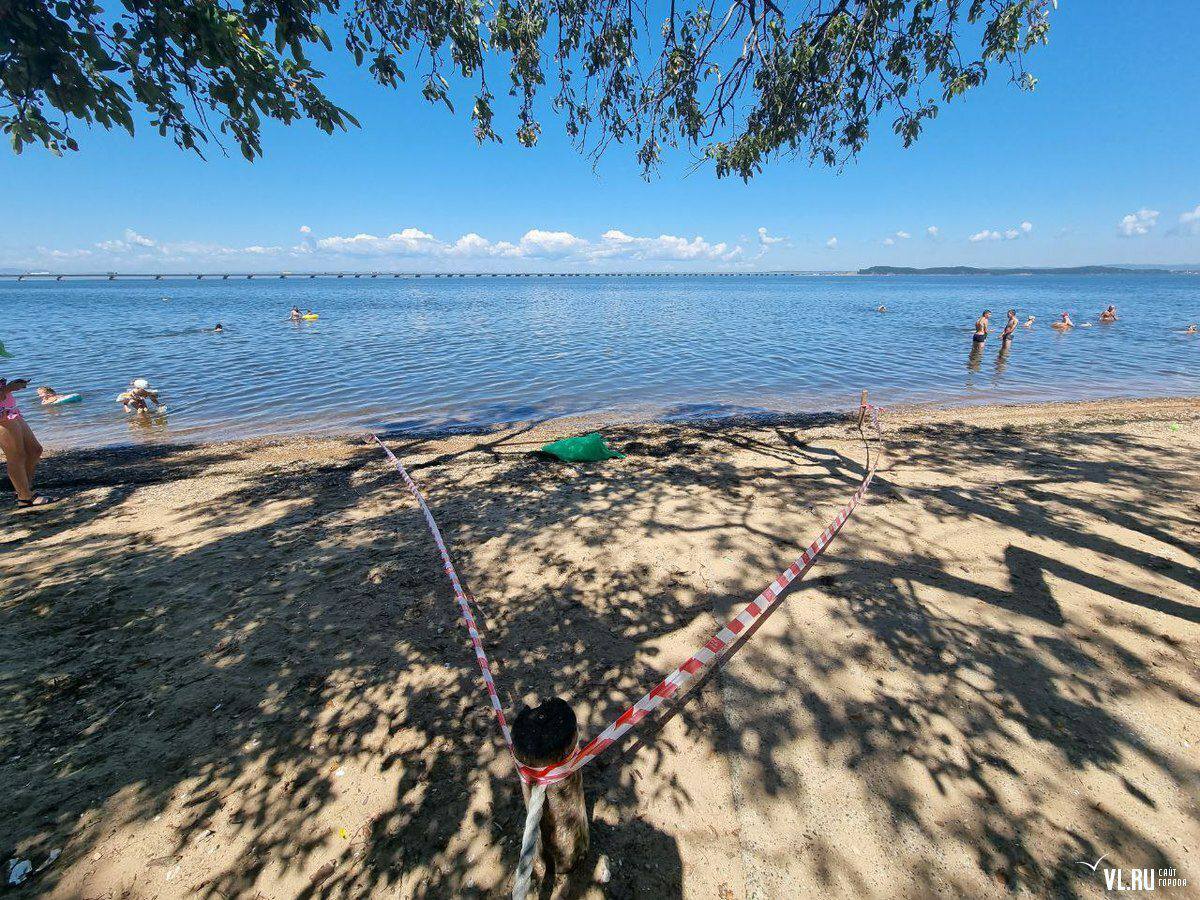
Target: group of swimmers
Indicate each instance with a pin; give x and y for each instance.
(1064, 323)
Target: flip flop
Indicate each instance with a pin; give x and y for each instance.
(35, 500)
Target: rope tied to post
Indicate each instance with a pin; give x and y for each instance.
(547, 765)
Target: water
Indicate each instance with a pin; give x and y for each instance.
(422, 354)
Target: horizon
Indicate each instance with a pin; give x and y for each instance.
(1001, 179)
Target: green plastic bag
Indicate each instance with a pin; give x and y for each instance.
(587, 448)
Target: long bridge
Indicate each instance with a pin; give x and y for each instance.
(227, 276)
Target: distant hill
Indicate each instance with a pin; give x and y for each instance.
(972, 270)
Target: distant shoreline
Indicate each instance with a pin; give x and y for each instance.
(1062, 270)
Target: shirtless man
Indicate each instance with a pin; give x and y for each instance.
(1109, 315)
(1010, 326)
(981, 327)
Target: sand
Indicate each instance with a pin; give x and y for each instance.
(235, 670)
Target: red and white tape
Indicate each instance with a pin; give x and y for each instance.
(716, 648)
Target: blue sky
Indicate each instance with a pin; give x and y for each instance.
(1101, 164)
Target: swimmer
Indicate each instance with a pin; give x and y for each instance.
(881, 308)
(139, 397)
(1010, 326)
(1109, 315)
(295, 314)
(218, 328)
(1028, 323)
(1192, 329)
(49, 396)
(1064, 323)
(981, 327)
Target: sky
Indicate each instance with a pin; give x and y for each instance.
(1100, 164)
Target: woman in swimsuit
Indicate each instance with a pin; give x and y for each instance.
(21, 449)
(981, 327)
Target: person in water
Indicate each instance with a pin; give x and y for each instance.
(1028, 323)
(981, 327)
(881, 308)
(1109, 315)
(218, 328)
(1063, 323)
(139, 397)
(1010, 326)
(295, 314)
(21, 449)
(49, 396)
(1192, 329)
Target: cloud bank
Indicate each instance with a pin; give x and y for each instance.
(408, 248)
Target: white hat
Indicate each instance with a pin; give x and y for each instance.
(141, 383)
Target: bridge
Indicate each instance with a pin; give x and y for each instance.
(263, 276)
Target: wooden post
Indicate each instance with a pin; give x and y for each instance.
(544, 735)
(862, 409)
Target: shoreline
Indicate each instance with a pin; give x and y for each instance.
(560, 426)
(235, 669)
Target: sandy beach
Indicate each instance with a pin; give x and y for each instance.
(235, 670)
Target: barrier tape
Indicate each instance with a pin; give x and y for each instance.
(715, 649)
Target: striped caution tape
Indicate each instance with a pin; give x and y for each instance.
(719, 646)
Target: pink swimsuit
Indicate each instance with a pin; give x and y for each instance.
(8, 407)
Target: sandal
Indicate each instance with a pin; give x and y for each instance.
(35, 500)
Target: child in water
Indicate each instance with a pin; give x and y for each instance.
(1109, 315)
(1064, 323)
(49, 396)
(1028, 323)
(139, 397)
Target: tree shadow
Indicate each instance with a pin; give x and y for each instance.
(251, 661)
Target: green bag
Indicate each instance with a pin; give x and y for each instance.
(4, 353)
(587, 448)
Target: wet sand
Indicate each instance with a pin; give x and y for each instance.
(235, 670)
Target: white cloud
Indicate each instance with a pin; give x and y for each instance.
(897, 236)
(1138, 223)
(1189, 222)
(932, 231)
(1009, 234)
(536, 242)
(984, 235)
(888, 241)
(618, 244)
(903, 235)
(767, 240)
(832, 243)
(304, 229)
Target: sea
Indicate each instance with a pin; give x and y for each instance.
(424, 354)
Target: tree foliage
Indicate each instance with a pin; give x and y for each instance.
(737, 81)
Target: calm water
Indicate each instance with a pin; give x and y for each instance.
(430, 353)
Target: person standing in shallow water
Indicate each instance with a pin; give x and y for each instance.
(1010, 326)
(981, 328)
(21, 449)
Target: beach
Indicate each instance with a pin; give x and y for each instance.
(235, 669)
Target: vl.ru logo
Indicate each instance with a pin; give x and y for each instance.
(1144, 879)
